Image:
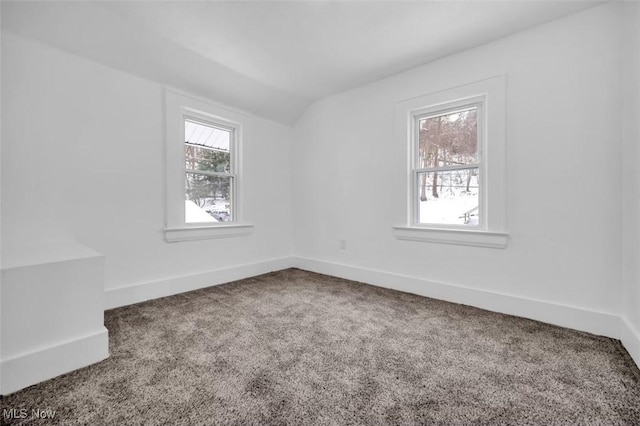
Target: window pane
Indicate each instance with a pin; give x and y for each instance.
(208, 198)
(198, 158)
(448, 139)
(449, 198)
(207, 147)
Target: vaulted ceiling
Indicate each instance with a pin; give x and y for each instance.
(273, 58)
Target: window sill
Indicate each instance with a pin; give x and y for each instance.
(452, 236)
(172, 235)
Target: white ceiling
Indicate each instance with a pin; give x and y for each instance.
(273, 58)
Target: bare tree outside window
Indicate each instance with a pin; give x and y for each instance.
(448, 168)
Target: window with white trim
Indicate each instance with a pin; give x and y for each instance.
(209, 171)
(204, 189)
(455, 153)
(447, 160)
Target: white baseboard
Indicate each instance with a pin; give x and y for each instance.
(630, 338)
(599, 323)
(34, 367)
(122, 296)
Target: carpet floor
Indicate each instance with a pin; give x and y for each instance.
(294, 347)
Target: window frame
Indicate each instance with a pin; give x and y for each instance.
(437, 111)
(180, 107)
(232, 128)
(491, 231)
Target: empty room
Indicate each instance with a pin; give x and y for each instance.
(320, 212)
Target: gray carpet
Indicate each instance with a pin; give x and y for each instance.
(293, 347)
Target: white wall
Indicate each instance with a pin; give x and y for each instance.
(83, 149)
(630, 66)
(82, 159)
(1, 37)
(564, 150)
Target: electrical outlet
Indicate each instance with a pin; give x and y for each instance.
(343, 244)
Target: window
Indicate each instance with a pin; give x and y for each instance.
(209, 171)
(447, 162)
(455, 179)
(204, 169)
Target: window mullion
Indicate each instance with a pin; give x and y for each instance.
(447, 168)
(208, 173)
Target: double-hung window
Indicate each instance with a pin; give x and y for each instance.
(209, 171)
(453, 152)
(205, 194)
(447, 166)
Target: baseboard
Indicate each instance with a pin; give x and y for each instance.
(122, 296)
(599, 323)
(34, 367)
(630, 338)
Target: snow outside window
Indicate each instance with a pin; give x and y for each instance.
(454, 165)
